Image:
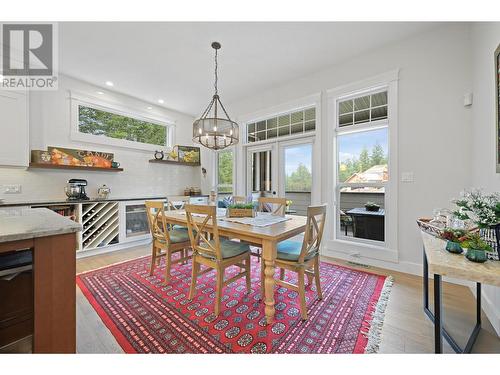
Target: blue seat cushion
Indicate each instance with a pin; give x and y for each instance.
(229, 248)
(290, 250)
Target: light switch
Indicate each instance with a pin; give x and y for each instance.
(407, 177)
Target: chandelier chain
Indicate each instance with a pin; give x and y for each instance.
(216, 75)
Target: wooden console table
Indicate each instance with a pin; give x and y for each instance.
(52, 239)
(440, 263)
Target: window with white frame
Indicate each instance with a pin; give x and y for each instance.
(225, 170)
(283, 125)
(115, 126)
(362, 160)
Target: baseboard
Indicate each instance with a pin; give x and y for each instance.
(108, 249)
(489, 309)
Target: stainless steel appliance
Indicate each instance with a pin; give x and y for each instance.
(75, 189)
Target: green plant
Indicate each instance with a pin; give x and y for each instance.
(481, 209)
(475, 242)
(372, 204)
(246, 206)
(454, 235)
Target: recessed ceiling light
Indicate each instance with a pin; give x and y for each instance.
(100, 92)
(150, 107)
(161, 101)
(109, 83)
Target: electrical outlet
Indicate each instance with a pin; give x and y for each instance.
(12, 189)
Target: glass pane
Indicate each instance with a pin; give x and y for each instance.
(361, 213)
(261, 136)
(251, 138)
(261, 171)
(362, 157)
(360, 117)
(225, 172)
(379, 99)
(136, 221)
(310, 125)
(379, 113)
(272, 133)
(261, 125)
(272, 123)
(297, 128)
(284, 131)
(310, 114)
(251, 128)
(362, 103)
(345, 120)
(298, 177)
(297, 117)
(284, 120)
(106, 124)
(345, 107)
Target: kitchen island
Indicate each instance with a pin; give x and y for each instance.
(51, 238)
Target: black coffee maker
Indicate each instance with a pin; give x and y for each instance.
(75, 189)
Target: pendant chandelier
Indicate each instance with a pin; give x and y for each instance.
(214, 129)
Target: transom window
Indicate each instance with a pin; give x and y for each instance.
(284, 125)
(363, 109)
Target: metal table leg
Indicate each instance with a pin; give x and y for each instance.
(437, 316)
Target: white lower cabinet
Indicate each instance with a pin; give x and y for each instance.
(134, 222)
(14, 143)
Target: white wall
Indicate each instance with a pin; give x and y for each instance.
(434, 126)
(50, 126)
(485, 39)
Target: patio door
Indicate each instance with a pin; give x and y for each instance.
(262, 176)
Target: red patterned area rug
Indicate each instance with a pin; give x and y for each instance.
(147, 316)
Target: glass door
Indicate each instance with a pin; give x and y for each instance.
(261, 171)
(296, 175)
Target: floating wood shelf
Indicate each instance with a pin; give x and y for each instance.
(174, 162)
(74, 167)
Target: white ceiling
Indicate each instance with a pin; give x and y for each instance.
(174, 61)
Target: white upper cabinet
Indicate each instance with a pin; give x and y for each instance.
(14, 129)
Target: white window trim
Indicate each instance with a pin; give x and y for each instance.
(77, 99)
(216, 169)
(388, 251)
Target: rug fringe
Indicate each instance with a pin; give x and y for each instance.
(375, 333)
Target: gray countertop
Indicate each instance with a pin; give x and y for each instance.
(26, 223)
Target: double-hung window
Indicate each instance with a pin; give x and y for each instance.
(362, 166)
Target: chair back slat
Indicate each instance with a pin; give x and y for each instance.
(278, 205)
(198, 230)
(315, 225)
(239, 199)
(155, 212)
(172, 207)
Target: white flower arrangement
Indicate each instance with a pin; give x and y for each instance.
(481, 209)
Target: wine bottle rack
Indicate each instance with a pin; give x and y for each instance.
(100, 224)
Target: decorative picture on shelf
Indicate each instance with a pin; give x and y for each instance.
(189, 154)
(497, 104)
(69, 156)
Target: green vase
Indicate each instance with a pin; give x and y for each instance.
(454, 247)
(478, 256)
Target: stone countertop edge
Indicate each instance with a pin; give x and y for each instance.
(18, 224)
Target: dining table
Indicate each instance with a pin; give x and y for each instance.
(266, 237)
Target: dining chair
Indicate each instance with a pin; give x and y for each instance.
(168, 239)
(302, 257)
(216, 253)
(277, 206)
(274, 205)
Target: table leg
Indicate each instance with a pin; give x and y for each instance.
(438, 327)
(269, 256)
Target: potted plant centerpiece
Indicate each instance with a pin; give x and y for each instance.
(453, 239)
(476, 248)
(372, 206)
(241, 210)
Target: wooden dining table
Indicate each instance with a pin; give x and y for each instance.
(266, 237)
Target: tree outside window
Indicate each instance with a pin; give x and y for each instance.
(225, 172)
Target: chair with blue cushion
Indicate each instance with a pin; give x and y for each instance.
(302, 257)
(167, 240)
(214, 253)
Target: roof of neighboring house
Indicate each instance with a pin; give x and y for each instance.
(377, 173)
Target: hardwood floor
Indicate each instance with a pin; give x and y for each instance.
(406, 329)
